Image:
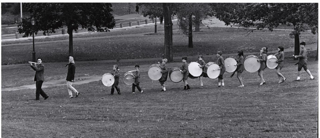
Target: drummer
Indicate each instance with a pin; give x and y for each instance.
(240, 67)
(220, 63)
(164, 73)
(262, 59)
(185, 72)
(280, 58)
(116, 75)
(302, 63)
(202, 65)
(136, 80)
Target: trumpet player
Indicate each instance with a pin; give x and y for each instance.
(39, 78)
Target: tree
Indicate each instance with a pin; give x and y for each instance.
(153, 10)
(51, 16)
(302, 16)
(189, 14)
(167, 13)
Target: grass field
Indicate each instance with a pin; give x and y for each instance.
(274, 110)
(138, 43)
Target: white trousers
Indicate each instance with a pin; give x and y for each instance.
(71, 88)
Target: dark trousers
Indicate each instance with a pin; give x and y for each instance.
(39, 90)
(134, 87)
(117, 88)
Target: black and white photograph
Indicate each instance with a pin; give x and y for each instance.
(159, 69)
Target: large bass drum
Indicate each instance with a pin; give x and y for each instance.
(154, 72)
(230, 64)
(175, 75)
(107, 79)
(213, 70)
(129, 77)
(194, 69)
(272, 62)
(251, 64)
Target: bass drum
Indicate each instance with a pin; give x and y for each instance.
(230, 64)
(107, 79)
(251, 64)
(194, 69)
(154, 72)
(129, 77)
(213, 70)
(175, 75)
(271, 62)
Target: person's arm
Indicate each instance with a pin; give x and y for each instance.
(183, 69)
(37, 68)
(281, 58)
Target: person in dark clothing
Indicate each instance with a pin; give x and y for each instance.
(240, 67)
(184, 70)
(136, 80)
(262, 59)
(116, 75)
(202, 66)
(302, 63)
(280, 59)
(164, 73)
(70, 77)
(220, 62)
(39, 78)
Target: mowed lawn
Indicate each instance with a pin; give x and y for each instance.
(139, 43)
(273, 110)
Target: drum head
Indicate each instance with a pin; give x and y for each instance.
(175, 75)
(251, 64)
(154, 72)
(107, 79)
(194, 69)
(230, 64)
(128, 78)
(271, 62)
(213, 71)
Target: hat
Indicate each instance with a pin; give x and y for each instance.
(219, 52)
(303, 43)
(137, 66)
(281, 48)
(240, 53)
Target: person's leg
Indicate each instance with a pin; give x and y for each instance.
(201, 82)
(73, 89)
(240, 79)
(112, 89)
(280, 76)
(118, 89)
(138, 87)
(133, 87)
(37, 90)
(299, 69)
(69, 90)
(42, 93)
(308, 71)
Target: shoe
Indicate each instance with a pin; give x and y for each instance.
(119, 93)
(222, 84)
(133, 92)
(77, 94)
(241, 86)
(188, 87)
(46, 97)
(219, 84)
(201, 84)
(298, 78)
(164, 89)
(185, 87)
(71, 97)
(311, 78)
(111, 93)
(142, 91)
(284, 79)
(262, 83)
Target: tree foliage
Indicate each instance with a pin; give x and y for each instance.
(51, 16)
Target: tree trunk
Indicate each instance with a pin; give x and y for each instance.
(167, 32)
(317, 45)
(70, 32)
(197, 23)
(296, 44)
(155, 25)
(190, 44)
(161, 19)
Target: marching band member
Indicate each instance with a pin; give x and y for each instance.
(116, 75)
(164, 73)
(70, 77)
(240, 67)
(39, 78)
(262, 60)
(202, 65)
(136, 80)
(220, 63)
(280, 57)
(185, 72)
(302, 63)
